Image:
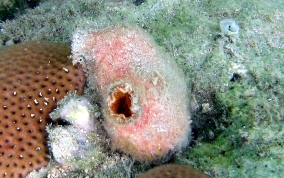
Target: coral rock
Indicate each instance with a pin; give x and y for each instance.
(143, 94)
(173, 171)
(77, 111)
(33, 77)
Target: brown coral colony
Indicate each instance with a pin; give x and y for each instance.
(34, 76)
(173, 171)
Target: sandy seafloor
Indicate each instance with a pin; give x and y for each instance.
(236, 81)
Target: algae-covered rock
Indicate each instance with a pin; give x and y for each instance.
(9, 7)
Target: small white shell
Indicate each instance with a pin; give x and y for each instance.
(229, 27)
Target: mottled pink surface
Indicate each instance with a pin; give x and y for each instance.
(126, 55)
